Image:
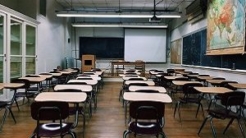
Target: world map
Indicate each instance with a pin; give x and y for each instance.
(226, 24)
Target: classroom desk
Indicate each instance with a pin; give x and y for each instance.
(143, 96)
(170, 78)
(70, 97)
(113, 63)
(204, 78)
(146, 82)
(215, 82)
(238, 85)
(92, 77)
(13, 86)
(89, 82)
(34, 79)
(156, 72)
(181, 83)
(156, 88)
(99, 73)
(58, 74)
(212, 90)
(84, 88)
(125, 78)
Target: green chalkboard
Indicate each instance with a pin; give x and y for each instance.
(194, 53)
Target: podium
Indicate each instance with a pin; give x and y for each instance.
(88, 62)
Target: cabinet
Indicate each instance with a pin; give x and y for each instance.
(88, 62)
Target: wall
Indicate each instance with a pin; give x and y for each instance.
(52, 39)
(104, 32)
(187, 28)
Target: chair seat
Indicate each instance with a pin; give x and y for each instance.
(3, 104)
(52, 129)
(23, 94)
(221, 113)
(190, 100)
(145, 127)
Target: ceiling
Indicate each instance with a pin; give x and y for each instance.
(141, 5)
(161, 6)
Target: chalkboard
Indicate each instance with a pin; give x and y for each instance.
(102, 47)
(194, 53)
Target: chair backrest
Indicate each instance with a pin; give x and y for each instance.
(77, 83)
(138, 84)
(218, 78)
(49, 110)
(136, 79)
(131, 70)
(189, 88)
(147, 110)
(226, 84)
(25, 81)
(170, 71)
(84, 79)
(32, 76)
(96, 69)
(131, 73)
(148, 91)
(233, 98)
(182, 79)
(69, 90)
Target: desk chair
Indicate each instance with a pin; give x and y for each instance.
(190, 96)
(48, 81)
(6, 105)
(142, 113)
(76, 108)
(228, 100)
(27, 92)
(51, 111)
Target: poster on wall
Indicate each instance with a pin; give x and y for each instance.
(226, 27)
(176, 51)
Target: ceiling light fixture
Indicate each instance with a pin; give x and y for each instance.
(136, 25)
(116, 15)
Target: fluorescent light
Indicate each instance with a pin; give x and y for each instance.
(120, 25)
(116, 15)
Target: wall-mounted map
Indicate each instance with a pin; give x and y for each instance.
(226, 27)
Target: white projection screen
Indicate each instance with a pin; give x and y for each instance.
(148, 45)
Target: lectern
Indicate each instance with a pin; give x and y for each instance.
(88, 62)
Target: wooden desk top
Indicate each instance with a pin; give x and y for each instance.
(94, 72)
(11, 85)
(127, 78)
(89, 82)
(216, 82)
(65, 72)
(46, 76)
(156, 72)
(238, 85)
(143, 96)
(92, 77)
(34, 79)
(173, 77)
(157, 88)
(124, 75)
(71, 97)
(204, 78)
(146, 82)
(181, 83)
(213, 90)
(58, 74)
(84, 88)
